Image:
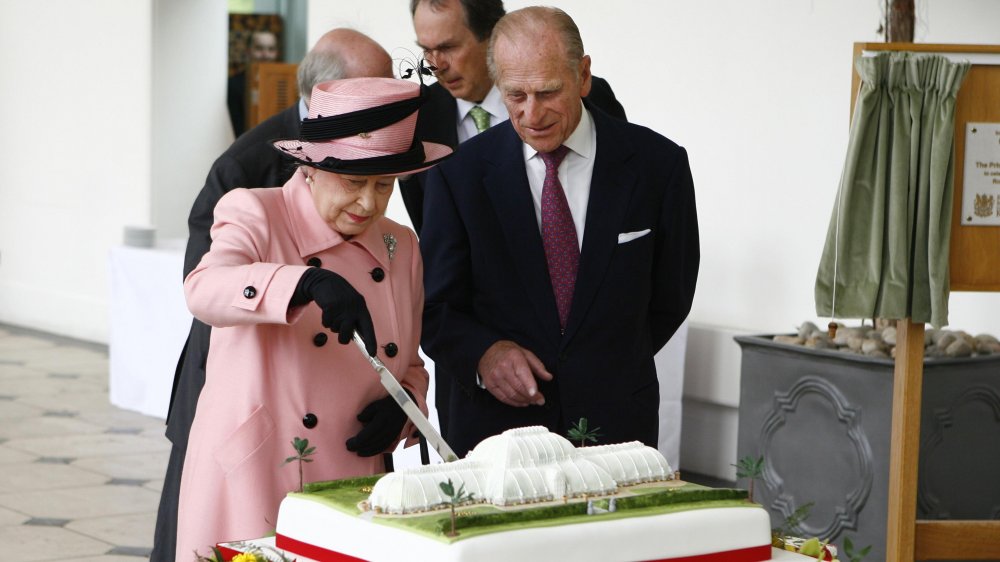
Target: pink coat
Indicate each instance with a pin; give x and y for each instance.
(272, 372)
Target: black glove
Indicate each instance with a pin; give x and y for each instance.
(344, 309)
(383, 420)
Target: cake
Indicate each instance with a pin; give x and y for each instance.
(534, 497)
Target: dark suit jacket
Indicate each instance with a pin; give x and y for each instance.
(486, 279)
(248, 162)
(236, 90)
(436, 123)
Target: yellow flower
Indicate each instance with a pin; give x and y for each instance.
(246, 557)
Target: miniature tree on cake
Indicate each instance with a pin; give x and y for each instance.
(579, 432)
(751, 469)
(454, 498)
(854, 555)
(303, 450)
(792, 522)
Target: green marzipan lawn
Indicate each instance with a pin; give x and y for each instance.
(478, 519)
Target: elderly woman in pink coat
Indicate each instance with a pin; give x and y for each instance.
(288, 266)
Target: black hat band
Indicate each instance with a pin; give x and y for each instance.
(320, 129)
(388, 164)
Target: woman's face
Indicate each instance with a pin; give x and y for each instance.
(348, 203)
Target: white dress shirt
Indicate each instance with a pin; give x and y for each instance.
(491, 103)
(575, 173)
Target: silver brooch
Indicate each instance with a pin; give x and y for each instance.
(390, 244)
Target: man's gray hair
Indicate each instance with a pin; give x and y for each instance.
(538, 21)
(319, 66)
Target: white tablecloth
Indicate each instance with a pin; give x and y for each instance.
(670, 371)
(149, 324)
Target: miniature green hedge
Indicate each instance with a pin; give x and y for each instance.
(521, 516)
(359, 482)
(667, 497)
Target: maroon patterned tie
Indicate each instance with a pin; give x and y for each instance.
(562, 251)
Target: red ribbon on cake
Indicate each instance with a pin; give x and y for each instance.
(312, 551)
(752, 554)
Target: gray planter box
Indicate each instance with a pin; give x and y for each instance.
(822, 421)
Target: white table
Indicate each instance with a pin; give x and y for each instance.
(670, 372)
(149, 325)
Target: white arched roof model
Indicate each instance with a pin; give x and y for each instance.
(522, 446)
(419, 488)
(586, 478)
(522, 465)
(629, 463)
(517, 485)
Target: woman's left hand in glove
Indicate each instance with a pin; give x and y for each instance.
(383, 420)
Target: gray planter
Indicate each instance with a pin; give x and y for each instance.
(822, 421)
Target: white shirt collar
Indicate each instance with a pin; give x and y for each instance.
(491, 103)
(580, 141)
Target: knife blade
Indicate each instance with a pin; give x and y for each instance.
(409, 407)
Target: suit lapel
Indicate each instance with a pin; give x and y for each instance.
(449, 130)
(507, 187)
(611, 190)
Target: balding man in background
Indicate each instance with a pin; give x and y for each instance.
(249, 162)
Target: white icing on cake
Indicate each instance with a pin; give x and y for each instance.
(519, 466)
(523, 465)
(655, 537)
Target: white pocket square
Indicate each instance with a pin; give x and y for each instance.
(630, 236)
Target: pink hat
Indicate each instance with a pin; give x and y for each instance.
(364, 126)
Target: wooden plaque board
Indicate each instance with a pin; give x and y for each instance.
(975, 266)
(975, 250)
(273, 88)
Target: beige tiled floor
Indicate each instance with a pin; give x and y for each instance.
(79, 478)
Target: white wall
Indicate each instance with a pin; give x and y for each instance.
(190, 121)
(75, 120)
(110, 113)
(110, 109)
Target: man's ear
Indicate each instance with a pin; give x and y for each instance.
(585, 77)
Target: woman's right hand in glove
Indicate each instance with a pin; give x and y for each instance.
(344, 309)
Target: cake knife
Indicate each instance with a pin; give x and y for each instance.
(409, 407)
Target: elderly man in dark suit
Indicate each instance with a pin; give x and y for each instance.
(249, 162)
(560, 250)
(454, 35)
